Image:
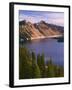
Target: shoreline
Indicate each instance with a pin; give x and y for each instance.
(43, 37)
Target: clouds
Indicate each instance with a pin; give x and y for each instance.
(36, 16)
(56, 21)
(32, 19)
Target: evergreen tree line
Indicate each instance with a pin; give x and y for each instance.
(32, 66)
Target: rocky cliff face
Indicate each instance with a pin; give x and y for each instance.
(29, 31)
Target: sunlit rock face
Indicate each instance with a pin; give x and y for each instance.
(29, 30)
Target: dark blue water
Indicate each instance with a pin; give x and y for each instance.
(50, 48)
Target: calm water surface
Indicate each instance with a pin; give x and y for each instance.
(50, 48)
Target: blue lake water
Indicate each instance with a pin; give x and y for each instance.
(50, 48)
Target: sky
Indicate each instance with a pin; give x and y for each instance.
(56, 18)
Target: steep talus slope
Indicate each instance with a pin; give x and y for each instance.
(47, 30)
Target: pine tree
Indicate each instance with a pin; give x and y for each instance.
(25, 64)
(39, 60)
(43, 71)
(33, 57)
(41, 64)
(42, 60)
(50, 69)
(35, 68)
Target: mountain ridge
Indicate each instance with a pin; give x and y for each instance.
(29, 31)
